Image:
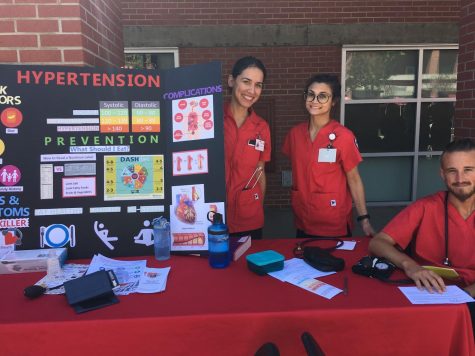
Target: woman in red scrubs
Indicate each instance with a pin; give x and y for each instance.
(325, 158)
(247, 148)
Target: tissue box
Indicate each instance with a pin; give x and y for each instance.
(265, 261)
(23, 261)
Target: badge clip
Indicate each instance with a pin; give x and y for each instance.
(331, 138)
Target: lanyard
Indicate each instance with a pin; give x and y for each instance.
(446, 261)
(257, 171)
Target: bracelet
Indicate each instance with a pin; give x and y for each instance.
(363, 217)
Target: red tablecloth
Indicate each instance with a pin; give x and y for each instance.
(232, 311)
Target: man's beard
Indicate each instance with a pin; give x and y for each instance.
(460, 195)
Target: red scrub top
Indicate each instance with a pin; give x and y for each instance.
(320, 195)
(244, 210)
(423, 222)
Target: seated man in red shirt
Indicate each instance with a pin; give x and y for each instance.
(441, 227)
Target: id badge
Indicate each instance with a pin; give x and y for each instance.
(259, 145)
(327, 155)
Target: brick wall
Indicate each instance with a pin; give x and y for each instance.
(102, 29)
(465, 106)
(288, 68)
(75, 32)
(200, 12)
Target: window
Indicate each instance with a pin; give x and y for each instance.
(400, 103)
(151, 58)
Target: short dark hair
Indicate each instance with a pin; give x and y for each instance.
(247, 62)
(329, 79)
(460, 145)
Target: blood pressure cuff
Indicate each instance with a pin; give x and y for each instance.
(374, 267)
(322, 259)
(92, 291)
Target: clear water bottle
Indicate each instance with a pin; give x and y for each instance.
(218, 242)
(53, 266)
(161, 238)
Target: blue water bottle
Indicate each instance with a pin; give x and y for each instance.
(218, 242)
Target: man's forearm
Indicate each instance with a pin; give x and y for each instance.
(381, 247)
(384, 246)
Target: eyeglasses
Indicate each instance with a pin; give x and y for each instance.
(322, 98)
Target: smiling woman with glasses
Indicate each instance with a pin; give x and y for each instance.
(325, 158)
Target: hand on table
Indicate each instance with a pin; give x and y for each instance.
(425, 278)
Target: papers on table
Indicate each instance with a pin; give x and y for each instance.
(297, 269)
(318, 287)
(154, 280)
(297, 272)
(347, 245)
(69, 271)
(128, 273)
(133, 276)
(452, 295)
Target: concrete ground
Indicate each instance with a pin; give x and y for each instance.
(279, 222)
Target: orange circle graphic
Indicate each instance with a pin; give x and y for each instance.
(11, 117)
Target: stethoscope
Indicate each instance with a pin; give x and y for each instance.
(331, 138)
(446, 261)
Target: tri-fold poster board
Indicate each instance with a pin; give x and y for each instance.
(90, 156)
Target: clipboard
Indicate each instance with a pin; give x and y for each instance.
(444, 272)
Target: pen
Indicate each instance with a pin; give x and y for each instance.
(345, 286)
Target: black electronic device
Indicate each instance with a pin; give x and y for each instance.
(91, 291)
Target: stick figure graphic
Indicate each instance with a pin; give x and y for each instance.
(145, 236)
(103, 234)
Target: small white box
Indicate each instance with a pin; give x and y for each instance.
(23, 261)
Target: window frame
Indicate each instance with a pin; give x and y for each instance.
(146, 50)
(418, 100)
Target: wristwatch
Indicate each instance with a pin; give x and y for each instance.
(363, 217)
